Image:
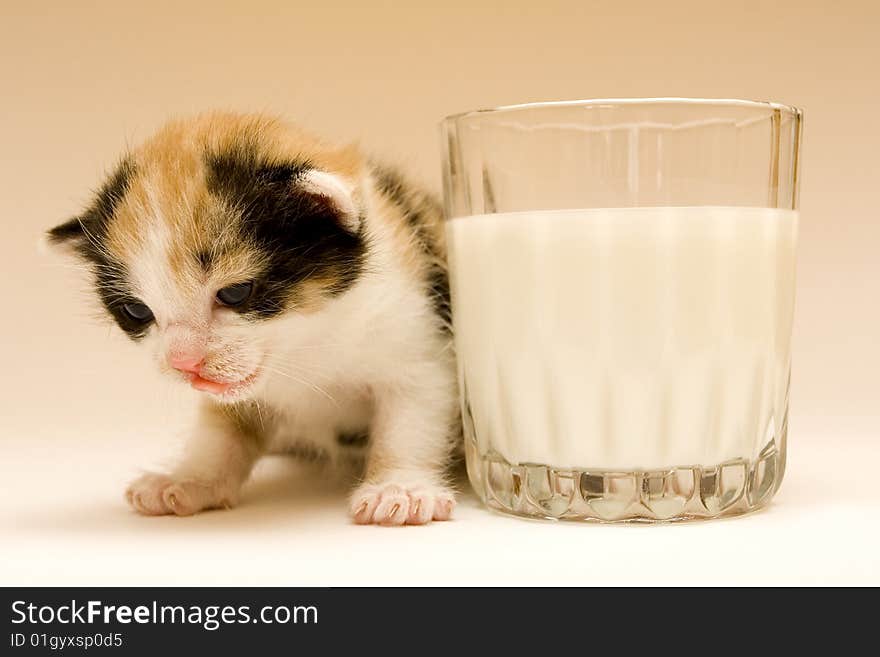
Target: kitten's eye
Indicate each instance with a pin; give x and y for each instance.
(235, 295)
(138, 311)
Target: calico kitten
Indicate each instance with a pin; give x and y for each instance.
(302, 288)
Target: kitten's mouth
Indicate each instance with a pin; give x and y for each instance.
(223, 388)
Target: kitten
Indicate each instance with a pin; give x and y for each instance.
(302, 288)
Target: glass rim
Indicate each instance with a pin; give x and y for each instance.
(660, 100)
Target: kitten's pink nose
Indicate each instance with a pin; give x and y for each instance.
(186, 363)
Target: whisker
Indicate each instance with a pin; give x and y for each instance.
(304, 371)
(259, 415)
(309, 384)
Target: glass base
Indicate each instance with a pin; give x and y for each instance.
(668, 495)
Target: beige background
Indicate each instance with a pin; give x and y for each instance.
(81, 408)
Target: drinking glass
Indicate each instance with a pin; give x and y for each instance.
(622, 278)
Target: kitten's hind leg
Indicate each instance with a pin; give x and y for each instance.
(217, 460)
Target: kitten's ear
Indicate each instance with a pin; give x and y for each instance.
(76, 236)
(339, 191)
(71, 235)
(63, 233)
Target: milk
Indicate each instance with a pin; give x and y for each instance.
(624, 339)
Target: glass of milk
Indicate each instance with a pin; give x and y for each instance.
(622, 277)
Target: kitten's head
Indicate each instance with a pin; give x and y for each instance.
(213, 230)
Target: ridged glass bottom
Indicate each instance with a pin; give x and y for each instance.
(673, 494)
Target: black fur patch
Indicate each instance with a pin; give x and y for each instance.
(438, 287)
(413, 206)
(88, 231)
(356, 439)
(300, 233)
(392, 184)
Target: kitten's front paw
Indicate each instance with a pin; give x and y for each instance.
(399, 504)
(158, 494)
